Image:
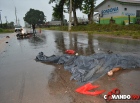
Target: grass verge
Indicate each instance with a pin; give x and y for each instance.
(132, 31)
(6, 30)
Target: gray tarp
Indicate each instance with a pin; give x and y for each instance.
(90, 68)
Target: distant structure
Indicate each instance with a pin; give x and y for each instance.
(119, 11)
(81, 20)
(54, 23)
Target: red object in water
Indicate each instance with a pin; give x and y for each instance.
(95, 93)
(85, 89)
(70, 51)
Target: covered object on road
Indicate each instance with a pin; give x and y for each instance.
(89, 68)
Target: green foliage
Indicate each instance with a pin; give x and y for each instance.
(8, 25)
(1, 30)
(60, 28)
(79, 28)
(77, 4)
(6, 30)
(57, 11)
(110, 29)
(87, 6)
(34, 17)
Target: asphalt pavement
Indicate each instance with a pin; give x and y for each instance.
(23, 80)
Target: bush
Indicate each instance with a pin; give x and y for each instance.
(1, 30)
(135, 36)
(6, 30)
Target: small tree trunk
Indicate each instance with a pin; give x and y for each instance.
(90, 17)
(62, 23)
(91, 13)
(62, 18)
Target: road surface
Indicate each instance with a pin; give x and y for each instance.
(23, 80)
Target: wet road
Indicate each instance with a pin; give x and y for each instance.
(23, 80)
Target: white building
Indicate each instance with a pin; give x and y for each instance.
(119, 11)
(96, 18)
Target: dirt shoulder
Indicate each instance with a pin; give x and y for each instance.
(4, 41)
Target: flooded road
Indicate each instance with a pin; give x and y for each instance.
(23, 80)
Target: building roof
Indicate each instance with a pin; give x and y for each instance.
(96, 14)
(135, 2)
(129, 1)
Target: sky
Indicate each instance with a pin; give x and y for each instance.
(7, 9)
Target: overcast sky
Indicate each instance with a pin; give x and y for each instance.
(22, 6)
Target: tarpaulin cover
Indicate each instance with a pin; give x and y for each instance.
(92, 67)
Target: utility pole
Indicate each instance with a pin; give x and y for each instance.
(16, 15)
(6, 19)
(0, 19)
(70, 11)
(18, 22)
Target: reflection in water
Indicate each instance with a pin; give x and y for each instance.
(119, 45)
(80, 43)
(70, 39)
(90, 48)
(75, 41)
(59, 39)
(38, 40)
(89, 44)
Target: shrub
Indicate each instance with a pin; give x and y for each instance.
(1, 30)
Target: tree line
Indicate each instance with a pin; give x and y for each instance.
(7, 25)
(85, 6)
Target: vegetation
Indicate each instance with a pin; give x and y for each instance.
(58, 11)
(34, 17)
(6, 30)
(110, 29)
(87, 6)
(8, 25)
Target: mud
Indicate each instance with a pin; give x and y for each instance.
(23, 80)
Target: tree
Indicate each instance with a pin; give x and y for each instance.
(58, 9)
(34, 17)
(11, 24)
(88, 8)
(76, 4)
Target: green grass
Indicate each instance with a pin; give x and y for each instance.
(60, 28)
(132, 31)
(6, 30)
